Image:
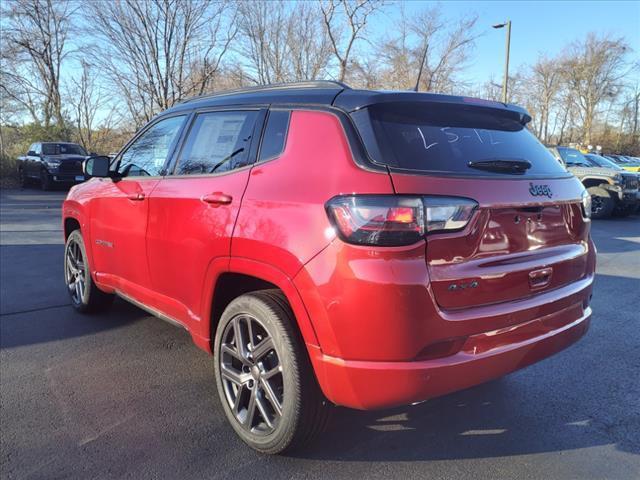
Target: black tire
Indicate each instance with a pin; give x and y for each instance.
(304, 410)
(22, 178)
(46, 183)
(86, 297)
(602, 204)
(624, 211)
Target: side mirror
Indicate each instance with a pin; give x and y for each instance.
(31, 153)
(96, 167)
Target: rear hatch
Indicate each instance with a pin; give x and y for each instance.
(514, 246)
(528, 233)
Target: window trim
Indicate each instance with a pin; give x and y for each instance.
(177, 142)
(258, 130)
(264, 130)
(359, 154)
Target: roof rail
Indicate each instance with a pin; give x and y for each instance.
(272, 86)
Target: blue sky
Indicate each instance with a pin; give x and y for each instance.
(537, 27)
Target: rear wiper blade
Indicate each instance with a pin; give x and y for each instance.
(502, 165)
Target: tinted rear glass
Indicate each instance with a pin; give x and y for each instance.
(62, 149)
(444, 139)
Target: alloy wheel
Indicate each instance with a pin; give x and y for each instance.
(75, 272)
(252, 375)
(597, 204)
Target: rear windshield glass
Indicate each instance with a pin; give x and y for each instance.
(445, 139)
(62, 149)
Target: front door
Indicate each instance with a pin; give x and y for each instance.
(193, 212)
(120, 209)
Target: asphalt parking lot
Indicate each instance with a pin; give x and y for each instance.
(124, 395)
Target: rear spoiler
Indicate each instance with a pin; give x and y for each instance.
(352, 100)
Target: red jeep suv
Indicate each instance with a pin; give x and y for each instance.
(337, 246)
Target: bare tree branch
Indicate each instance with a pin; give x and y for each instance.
(594, 70)
(159, 51)
(34, 49)
(282, 41)
(348, 16)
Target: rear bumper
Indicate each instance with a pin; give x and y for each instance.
(385, 341)
(371, 385)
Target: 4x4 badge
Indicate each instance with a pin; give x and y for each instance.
(540, 190)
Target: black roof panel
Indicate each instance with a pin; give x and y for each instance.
(329, 93)
(309, 93)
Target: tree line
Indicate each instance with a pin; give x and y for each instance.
(93, 72)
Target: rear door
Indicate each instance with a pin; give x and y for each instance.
(528, 233)
(193, 211)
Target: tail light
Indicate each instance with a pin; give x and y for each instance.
(388, 220)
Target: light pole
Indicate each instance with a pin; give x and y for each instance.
(506, 63)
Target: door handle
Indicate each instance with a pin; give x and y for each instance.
(217, 198)
(136, 197)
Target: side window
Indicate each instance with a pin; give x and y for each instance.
(32, 149)
(147, 155)
(275, 134)
(37, 148)
(217, 142)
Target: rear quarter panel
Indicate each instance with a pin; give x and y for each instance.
(282, 221)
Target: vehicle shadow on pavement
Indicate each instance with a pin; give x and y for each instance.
(35, 306)
(54, 323)
(483, 422)
(570, 401)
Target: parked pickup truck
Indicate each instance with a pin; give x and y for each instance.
(602, 161)
(51, 163)
(612, 191)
